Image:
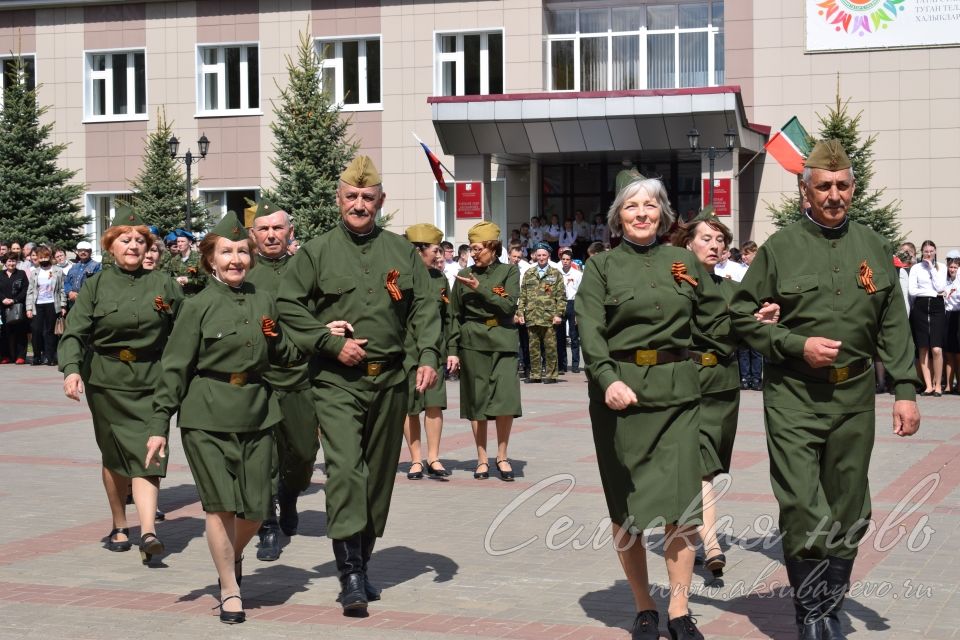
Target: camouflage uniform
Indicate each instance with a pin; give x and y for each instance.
(196, 278)
(542, 299)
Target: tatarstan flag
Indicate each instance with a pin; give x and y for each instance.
(790, 146)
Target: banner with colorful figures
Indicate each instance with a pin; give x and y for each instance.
(836, 25)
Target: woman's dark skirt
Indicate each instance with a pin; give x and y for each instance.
(929, 322)
(231, 470)
(120, 426)
(489, 386)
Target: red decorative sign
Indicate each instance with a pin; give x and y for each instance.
(470, 200)
(722, 203)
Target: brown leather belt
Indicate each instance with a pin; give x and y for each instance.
(239, 379)
(130, 355)
(833, 375)
(651, 357)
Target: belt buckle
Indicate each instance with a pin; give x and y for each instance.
(840, 374)
(127, 355)
(374, 368)
(238, 379)
(646, 358)
(708, 359)
(491, 322)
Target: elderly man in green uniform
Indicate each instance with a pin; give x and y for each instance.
(374, 280)
(185, 267)
(295, 436)
(840, 306)
(543, 301)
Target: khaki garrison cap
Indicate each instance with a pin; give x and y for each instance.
(424, 233)
(230, 228)
(266, 207)
(829, 155)
(361, 172)
(127, 217)
(627, 176)
(483, 231)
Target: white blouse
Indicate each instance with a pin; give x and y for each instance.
(926, 282)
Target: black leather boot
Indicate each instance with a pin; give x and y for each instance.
(838, 583)
(289, 519)
(268, 549)
(808, 579)
(349, 557)
(367, 542)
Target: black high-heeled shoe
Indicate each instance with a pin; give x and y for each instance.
(481, 475)
(150, 545)
(118, 545)
(506, 476)
(231, 617)
(418, 475)
(436, 473)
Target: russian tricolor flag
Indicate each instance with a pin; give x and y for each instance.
(434, 164)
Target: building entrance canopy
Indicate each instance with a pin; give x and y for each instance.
(515, 128)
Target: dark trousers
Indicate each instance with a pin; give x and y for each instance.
(523, 353)
(751, 365)
(568, 329)
(44, 342)
(14, 338)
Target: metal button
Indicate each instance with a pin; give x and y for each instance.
(246, 322)
(366, 270)
(369, 290)
(833, 244)
(249, 344)
(339, 290)
(836, 269)
(838, 291)
(653, 284)
(657, 306)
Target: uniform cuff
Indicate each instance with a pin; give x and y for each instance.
(606, 378)
(158, 427)
(905, 391)
(429, 359)
(331, 345)
(793, 345)
(69, 369)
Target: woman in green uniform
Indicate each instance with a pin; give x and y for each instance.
(483, 343)
(426, 238)
(638, 308)
(110, 350)
(224, 340)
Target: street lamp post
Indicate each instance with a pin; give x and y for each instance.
(730, 138)
(188, 159)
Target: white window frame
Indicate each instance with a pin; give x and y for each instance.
(222, 207)
(642, 33)
(36, 76)
(220, 69)
(89, 75)
(90, 208)
(457, 57)
(335, 62)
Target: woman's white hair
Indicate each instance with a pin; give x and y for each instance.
(655, 189)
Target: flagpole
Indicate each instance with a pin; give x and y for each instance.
(450, 173)
(744, 168)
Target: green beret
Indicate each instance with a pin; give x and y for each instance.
(361, 172)
(266, 207)
(483, 231)
(627, 176)
(829, 155)
(230, 228)
(125, 216)
(424, 233)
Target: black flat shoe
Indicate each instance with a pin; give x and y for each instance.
(684, 628)
(436, 473)
(716, 564)
(936, 394)
(532, 381)
(481, 475)
(119, 545)
(646, 626)
(506, 476)
(231, 617)
(412, 475)
(550, 381)
(150, 545)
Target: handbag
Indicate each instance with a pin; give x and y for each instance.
(59, 326)
(15, 313)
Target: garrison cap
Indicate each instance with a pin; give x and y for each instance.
(829, 155)
(266, 207)
(706, 215)
(424, 233)
(230, 228)
(627, 176)
(361, 172)
(127, 217)
(483, 231)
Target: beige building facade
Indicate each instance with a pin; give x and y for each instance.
(540, 102)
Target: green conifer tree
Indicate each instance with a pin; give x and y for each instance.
(160, 187)
(311, 146)
(865, 207)
(38, 201)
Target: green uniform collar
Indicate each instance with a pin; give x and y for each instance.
(280, 260)
(817, 229)
(357, 238)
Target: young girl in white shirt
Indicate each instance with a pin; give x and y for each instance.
(928, 279)
(951, 303)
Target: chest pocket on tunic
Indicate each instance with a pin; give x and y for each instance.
(617, 297)
(336, 286)
(214, 334)
(105, 314)
(798, 284)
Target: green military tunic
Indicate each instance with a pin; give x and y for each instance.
(343, 276)
(295, 435)
(648, 453)
(720, 392)
(484, 337)
(211, 377)
(435, 396)
(542, 299)
(820, 433)
(114, 337)
(176, 266)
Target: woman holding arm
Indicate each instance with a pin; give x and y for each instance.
(110, 350)
(224, 340)
(638, 308)
(483, 343)
(13, 290)
(928, 280)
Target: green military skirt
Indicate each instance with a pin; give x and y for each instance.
(649, 464)
(718, 428)
(436, 396)
(231, 470)
(120, 426)
(489, 386)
